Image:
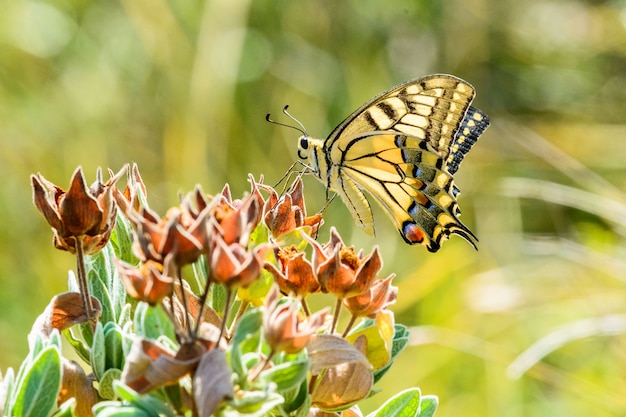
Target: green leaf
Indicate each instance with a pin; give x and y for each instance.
(37, 345)
(122, 240)
(297, 398)
(147, 403)
(218, 297)
(39, 390)
(246, 339)
(101, 264)
(256, 403)
(118, 294)
(66, 409)
(399, 343)
(100, 291)
(286, 376)
(403, 404)
(295, 238)
(255, 293)
(152, 322)
(6, 389)
(428, 405)
(98, 352)
(105, 384)
(79, 346)
(113, 339)
(125, 315)
(199, 271)
(126, 393)
(117, 409)
(259, 235)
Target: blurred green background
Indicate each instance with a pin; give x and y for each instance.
(530, 325)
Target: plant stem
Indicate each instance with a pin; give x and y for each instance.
(203, 298)
(336, 316)
(349, 326)
(229, 294)
(242, 309)
(305, 307)
(184, 301)
(260, 369)
(82, 278)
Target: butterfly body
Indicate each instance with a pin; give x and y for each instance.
(403, 147)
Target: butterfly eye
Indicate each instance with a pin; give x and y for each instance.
(303, 145)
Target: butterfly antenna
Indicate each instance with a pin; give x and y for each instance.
(300, 129)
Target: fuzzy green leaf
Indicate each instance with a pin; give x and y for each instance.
(105, 385)
(99, 290)
(428, 405)
(403, 404)
(66, 409)
(286, 376)
(113, 339)
(39, 390)
(98, 352)
(246, 339)
(122, 240)
(79, 346)
(152, 322)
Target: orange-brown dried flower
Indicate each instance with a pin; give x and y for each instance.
(181, 232)
(150, 282)
(237, 218)
(134, 193)
(376, 298)
(233, 264)
(340, 270)
(296, 274)
(285, 327)
(287, 213)
(81, 213)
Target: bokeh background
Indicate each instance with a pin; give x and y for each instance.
(531, 324)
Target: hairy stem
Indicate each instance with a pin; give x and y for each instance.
(82, 278)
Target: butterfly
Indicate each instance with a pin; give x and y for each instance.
(403, 147)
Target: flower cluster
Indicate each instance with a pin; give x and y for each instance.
(267, 245)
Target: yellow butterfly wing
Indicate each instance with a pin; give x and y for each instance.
(403, 147)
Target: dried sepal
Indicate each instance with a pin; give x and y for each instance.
(150, 366)
(211, 382)
(346, 382)
(76, 384)
(63, 311)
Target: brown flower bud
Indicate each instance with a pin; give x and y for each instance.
(340, 270)
(81, 212)
(232, 264)
(285, 327)
(237, 218)
(135, 192)
(150, 282)
(296, 275)
(376, 298)
(289, 213)
(179, 233)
